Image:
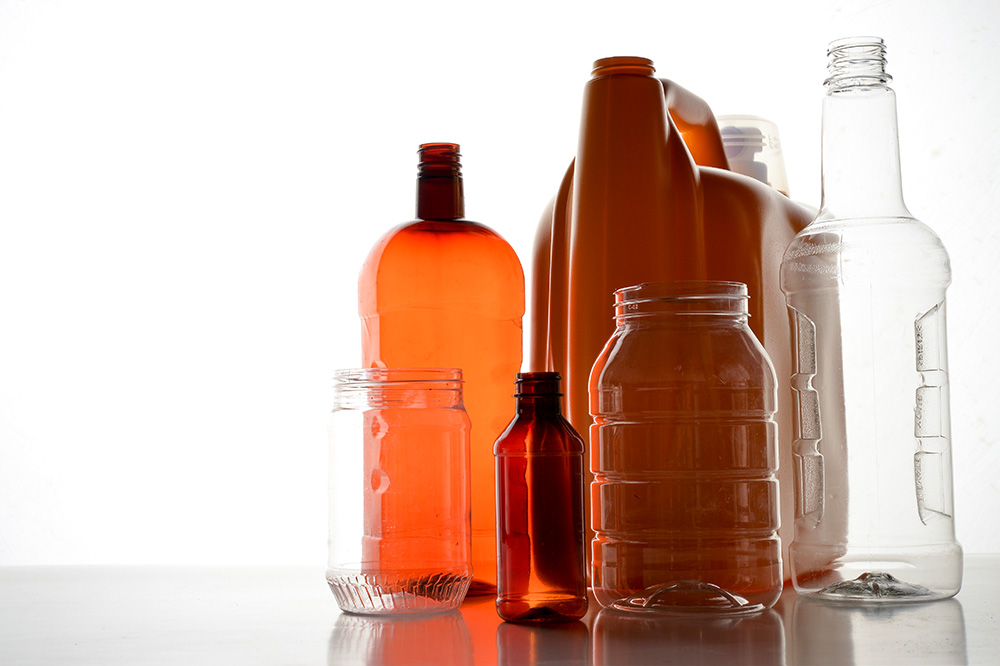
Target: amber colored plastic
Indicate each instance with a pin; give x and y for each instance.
(685, 501)
(443, 291)
(647, 199)
(542, 569)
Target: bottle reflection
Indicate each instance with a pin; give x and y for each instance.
(532, 645)
(927, 633)
(362, 640)
(626, 638)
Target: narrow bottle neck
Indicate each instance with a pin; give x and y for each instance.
(861, 176)
(440, 194)
(538, 394)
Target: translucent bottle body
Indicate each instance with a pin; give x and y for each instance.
(449, 292)
(872, 449)
(399, 542)
(542, 569)
(865, 286)
(685, 500)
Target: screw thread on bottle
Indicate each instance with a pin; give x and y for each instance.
(856, 62)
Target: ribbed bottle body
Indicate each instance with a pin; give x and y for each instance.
(684, 455)
(865, 287)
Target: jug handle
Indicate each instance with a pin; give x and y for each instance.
(695, 121)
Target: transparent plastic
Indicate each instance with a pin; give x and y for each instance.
(400, 536)
(542, 567)
(648, 199)
(685, 499)
(865, 285)
(443, 291)
(754, 149)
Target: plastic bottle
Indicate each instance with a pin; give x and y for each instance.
(683, 448)
(866, 293)
(645, 202)
(542, 567)
(443, 291)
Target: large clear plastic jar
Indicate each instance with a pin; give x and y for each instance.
(685, 500)
(400, 535)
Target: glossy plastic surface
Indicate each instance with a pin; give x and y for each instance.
(685, 500)
(409, 550)
(542, 569)
(644, 202)
(866, 293)
(449, 292)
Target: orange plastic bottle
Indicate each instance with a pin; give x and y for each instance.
(443, 291)
(648, 200)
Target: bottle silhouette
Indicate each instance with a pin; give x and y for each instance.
(443, 291)
(683, 450)
(866, 293)
(542, 572)
(648, 200)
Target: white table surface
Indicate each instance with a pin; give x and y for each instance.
(287, 616)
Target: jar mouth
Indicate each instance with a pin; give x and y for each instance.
(362, 378)
(690, 297)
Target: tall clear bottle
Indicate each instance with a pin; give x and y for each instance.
(865, 284)
(443, 291)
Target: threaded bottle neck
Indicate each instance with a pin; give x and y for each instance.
(856, 62)
(861, 177)
(622, 65)
(538, 391)
(440, 193)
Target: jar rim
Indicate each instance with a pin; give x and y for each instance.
(388, 377)
(682, 290)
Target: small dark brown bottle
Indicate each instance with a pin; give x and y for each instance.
(541, 567)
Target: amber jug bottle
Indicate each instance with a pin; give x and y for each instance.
(648, 199)
(443, 291)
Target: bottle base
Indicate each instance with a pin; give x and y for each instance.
(878, 587)
(687, 597)
(387, 593)
(542, 609)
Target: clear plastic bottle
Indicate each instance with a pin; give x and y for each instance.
(865, 285)
(400, 539)
(685, 500)
(542, 567)
(443, 291)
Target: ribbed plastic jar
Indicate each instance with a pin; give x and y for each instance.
(685, 499)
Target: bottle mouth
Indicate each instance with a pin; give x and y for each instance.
(439, 158)
(622, 65)
(537, 383)
(697, 297)
(856, 62)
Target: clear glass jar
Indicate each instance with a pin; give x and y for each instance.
(865, 284)
(400, 535)
(684, 454)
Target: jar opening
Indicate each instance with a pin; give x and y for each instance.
(363, 378)
(682, 298)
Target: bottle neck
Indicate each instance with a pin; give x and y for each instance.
(538, 393)
(440, 194)
(861, 176)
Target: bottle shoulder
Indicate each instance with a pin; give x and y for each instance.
(887, 250)
(539, 434)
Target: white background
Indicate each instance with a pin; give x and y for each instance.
(188, 189)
